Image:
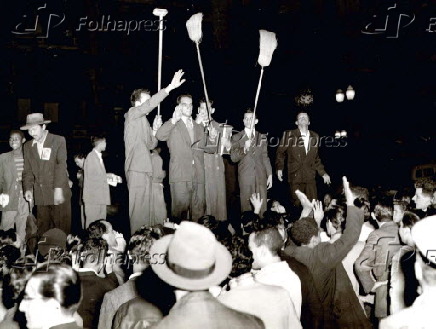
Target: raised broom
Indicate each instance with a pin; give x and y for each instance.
(161, 14)
(193, 25)
(267, 45)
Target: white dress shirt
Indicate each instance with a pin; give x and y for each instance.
(280, 274)
(306, 138)
(40, 145)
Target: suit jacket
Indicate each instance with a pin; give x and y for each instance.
(253, 164)
(375, 259)
(199, 309)
(135, 314)
(187, 157)
(9, 182)
(324, 261)
(93, 290)
(95, 186)
(302, 167)
(270, 303)
(312, 312)
(138, 136)
(43, 176)
(376, 256)
(113, 300)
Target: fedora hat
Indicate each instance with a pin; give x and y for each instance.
(194, 260)
(34, 119)
(423, 236)
(51, 239)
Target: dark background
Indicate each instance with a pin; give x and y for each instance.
(390, 123)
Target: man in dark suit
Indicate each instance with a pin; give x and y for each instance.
(300, 147)
(373, 265)
(45, 176)
(324, 260)
(186, 141)
(250, 151)
(139, 140)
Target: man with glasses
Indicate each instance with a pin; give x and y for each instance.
(186, 141)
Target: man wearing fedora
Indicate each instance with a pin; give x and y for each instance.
(45, 177)
(196, 261)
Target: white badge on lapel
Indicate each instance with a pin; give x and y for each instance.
(46, 152)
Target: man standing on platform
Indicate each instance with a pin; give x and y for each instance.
(215, 182)
(300, 146)
(45, 176)
(139, 140)
(187, 143)
(250, 151)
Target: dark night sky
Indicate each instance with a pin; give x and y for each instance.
(321, 47)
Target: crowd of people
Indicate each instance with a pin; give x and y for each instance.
(353, 260)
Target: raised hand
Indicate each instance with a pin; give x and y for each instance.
(177, 115)
(256, 201)
(348, 194)
(177, 81)
(280, 175)
(318, 212)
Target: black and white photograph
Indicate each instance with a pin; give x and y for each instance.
(195, 164)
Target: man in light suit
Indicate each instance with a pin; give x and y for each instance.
(11, 169)
(45, 175)
(195, 262)
(96, 192)
(139, 140)
(187, 142)
(250, 151)
(300, 147)
(376, 257)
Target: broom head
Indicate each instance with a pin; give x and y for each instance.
(268, 43)
(194, 27)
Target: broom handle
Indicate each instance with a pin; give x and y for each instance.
(159, 65)
(256, 99)
(204, 81)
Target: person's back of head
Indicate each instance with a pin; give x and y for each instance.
(93, 252)
(265, 246)
(248, 222)
(96, 229)
(304, 231)
(383, 209)
(139, 247)
(408, 221)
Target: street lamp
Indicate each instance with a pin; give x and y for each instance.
(350, 93)
(340, 96)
